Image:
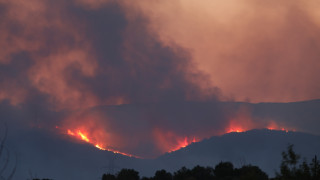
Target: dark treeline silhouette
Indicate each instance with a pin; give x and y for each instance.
(290, 169)
(223, 171)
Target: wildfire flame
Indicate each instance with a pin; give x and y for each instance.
(83, 136)
(167, 141)
(272, 126)
(182, 144)
(282, 129)
(235, 130)
(238, 126)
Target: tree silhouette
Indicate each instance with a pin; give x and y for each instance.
(249, 172)
(315, 168)
(162, 175)
(202, 173)
(182, 174)
(288, 165)
(146, 178)
(289, 170)
(224, 171)
(108, 177)
(304, 171)
(128, 174)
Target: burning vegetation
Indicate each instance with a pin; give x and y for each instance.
(83, 136)
(168, 141)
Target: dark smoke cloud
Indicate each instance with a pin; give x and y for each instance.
(63, 58)
(133, 65)
(83, 57)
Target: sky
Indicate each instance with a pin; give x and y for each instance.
(70, 65)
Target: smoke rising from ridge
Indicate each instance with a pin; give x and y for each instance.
(70, 63)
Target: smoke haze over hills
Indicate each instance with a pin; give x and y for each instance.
(149, 77)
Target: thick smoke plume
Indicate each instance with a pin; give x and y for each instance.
(255, 51)
(129, 74)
